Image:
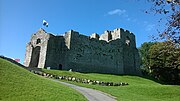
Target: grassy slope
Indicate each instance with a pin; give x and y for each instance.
(17, 84)
(140, 89)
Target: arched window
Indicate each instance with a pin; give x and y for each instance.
(128, 41)
(38, 41)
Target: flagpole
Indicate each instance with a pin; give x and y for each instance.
(45, 24)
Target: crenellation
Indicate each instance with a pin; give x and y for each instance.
(95, 36)
(111, 52)
(106, 36)
(127, 31)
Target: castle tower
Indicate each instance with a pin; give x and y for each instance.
(36, 49)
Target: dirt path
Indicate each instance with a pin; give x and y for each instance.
(90, 94)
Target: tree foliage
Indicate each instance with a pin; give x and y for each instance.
(144, 55)
(170, 8)
(162, 59)
(165, 62)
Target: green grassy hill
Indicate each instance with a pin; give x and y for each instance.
(17, 84)
(139, 89)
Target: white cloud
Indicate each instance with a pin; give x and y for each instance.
(117, 12)
(123, 13)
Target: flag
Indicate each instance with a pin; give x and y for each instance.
(17, 60)
(45, 23)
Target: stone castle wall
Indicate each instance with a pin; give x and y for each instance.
(112, 52)
(56, 51)
(93, 55)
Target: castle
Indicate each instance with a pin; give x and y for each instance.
(113, 52)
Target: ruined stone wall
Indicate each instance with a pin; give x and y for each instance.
(126, 35)
(92, 55)
(130, 53)
(67, 38)
(56, 52)
(112, 52)
(28, 54)
(109, 54)
(106, 36)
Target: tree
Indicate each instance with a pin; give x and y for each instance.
(172, 10)
(165, 62)
(162, 61)
(144, 55)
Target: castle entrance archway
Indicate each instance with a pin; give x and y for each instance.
(60, 66)
(35, 57)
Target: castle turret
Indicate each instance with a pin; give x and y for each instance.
(69, 37)
(127, 38)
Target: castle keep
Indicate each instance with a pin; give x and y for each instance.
(112, 52)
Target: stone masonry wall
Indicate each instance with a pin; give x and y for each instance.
(112, 52)
(43, 37)
(106, 55)
(56, 52)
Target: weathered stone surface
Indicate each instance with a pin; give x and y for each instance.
(113, 52)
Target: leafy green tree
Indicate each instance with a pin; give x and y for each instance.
(164, 57)
(165, 62)
(144, 55)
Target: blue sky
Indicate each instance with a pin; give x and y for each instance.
(19, 19)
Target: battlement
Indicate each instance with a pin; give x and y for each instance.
(108, 36)
(95, 36)
(124, 36)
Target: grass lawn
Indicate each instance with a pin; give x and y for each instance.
(139, 89)
(17, 84)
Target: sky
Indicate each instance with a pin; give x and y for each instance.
(19, 19)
